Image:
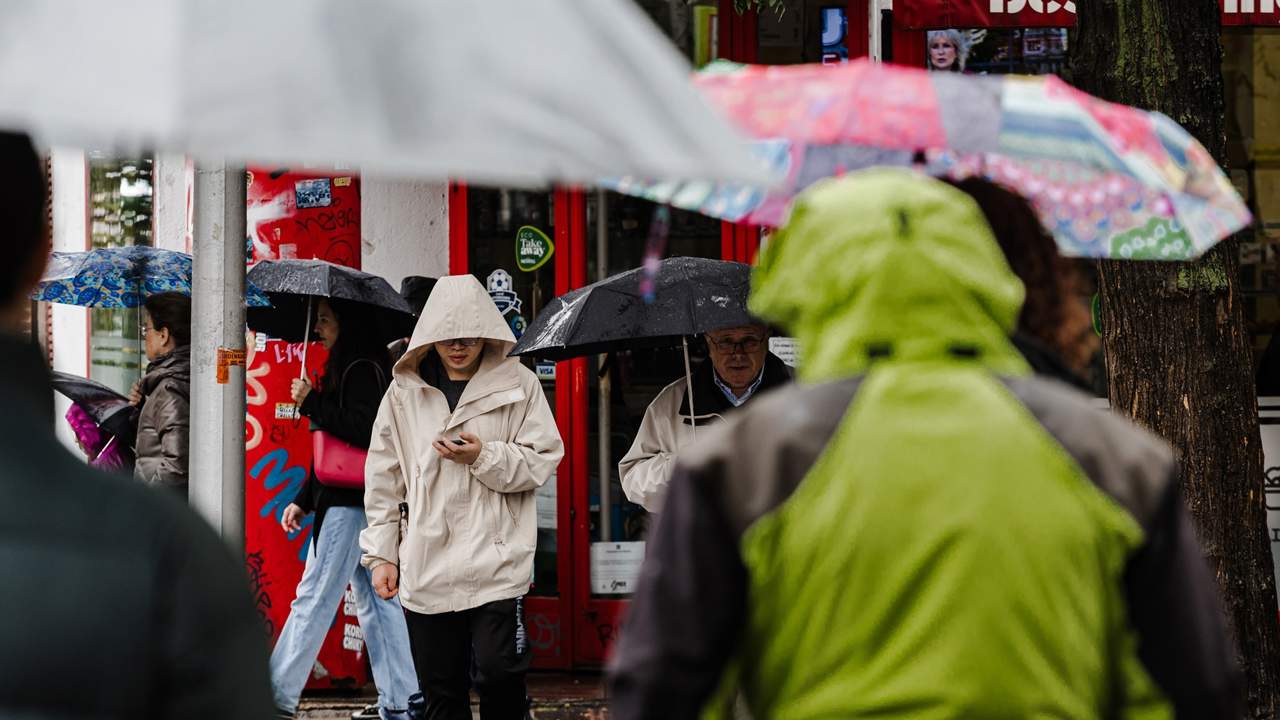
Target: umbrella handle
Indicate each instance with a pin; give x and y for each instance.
(688, 384)
(306, 342)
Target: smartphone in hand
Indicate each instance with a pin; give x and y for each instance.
(459, 441)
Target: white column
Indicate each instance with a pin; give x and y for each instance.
(172, 179)
(404, 228)
(218, 334)
(69, 332)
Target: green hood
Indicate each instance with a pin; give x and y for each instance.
(888, 261)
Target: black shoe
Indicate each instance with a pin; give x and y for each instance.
(368, 712)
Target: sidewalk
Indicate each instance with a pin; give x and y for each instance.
(579, 696)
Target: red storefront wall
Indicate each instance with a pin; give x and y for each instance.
(278, 447)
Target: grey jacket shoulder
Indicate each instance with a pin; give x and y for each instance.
(1131, 465)
(769, 446)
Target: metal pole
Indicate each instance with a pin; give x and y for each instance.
(604, 405)
(218, 350)
(688, 383)
(876, 44)
(306, 342)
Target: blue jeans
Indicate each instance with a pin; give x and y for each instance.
(335, 562)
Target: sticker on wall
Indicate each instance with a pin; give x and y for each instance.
(502, 290)
(342, 181)
(287, 411)
(313, 193)
(533, 248)
(518, 325)
(545, 370)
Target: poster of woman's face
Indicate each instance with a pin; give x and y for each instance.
(947, 51)
(1026, 51)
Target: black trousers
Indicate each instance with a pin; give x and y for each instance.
(488, 643)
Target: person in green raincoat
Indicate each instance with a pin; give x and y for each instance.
(921, 528)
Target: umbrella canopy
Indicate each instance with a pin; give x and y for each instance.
(108, 408)
(295, 285)
(690, 296)
(120, 277)
(1108, 180)
(504, 92)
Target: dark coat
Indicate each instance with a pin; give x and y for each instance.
(163, 443)
(122, 602)
(1046, 363)
(347, 411)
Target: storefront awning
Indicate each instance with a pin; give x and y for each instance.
(1253, 13)
(932, 14)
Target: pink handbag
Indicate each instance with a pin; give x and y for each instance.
(338, 463)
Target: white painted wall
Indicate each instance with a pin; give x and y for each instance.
(404, 228)
(69, 336)
(173, 178)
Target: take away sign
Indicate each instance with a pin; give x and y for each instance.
(936, 14)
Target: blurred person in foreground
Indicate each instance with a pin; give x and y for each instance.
(740, 368)
(1055, 331)
(921, 528)
(123, 603)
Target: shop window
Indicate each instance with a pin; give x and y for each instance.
(507, 231)
(1251, 71)
(120, 215)
(806, 32)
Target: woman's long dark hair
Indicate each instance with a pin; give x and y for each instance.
(1053, 312)
(357, 340)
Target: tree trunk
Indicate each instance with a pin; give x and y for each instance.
(1178, 355)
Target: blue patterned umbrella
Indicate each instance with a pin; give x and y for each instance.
(120, 277)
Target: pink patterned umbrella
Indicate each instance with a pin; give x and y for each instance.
(1108, 180)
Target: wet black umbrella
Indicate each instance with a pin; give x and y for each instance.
(108, 408)
(295, 285)
(690, 296)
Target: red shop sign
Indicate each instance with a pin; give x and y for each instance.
(932, 14)
(1263, 13)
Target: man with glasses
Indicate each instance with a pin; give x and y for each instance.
(741, 367)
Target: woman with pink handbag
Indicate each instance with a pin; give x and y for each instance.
(341, 410)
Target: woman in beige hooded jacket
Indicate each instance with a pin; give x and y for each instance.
(463, 437)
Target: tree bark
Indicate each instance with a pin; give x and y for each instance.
(1178, 354)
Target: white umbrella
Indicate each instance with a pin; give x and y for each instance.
(491, 91)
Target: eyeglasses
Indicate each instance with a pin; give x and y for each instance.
(464, 342)
(747, 345)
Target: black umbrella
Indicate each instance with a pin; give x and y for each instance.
(295, 285)
(108, 408)
(691, 296)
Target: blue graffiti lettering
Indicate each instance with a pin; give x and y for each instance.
(279, 474)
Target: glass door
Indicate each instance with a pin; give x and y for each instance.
(511, 249)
